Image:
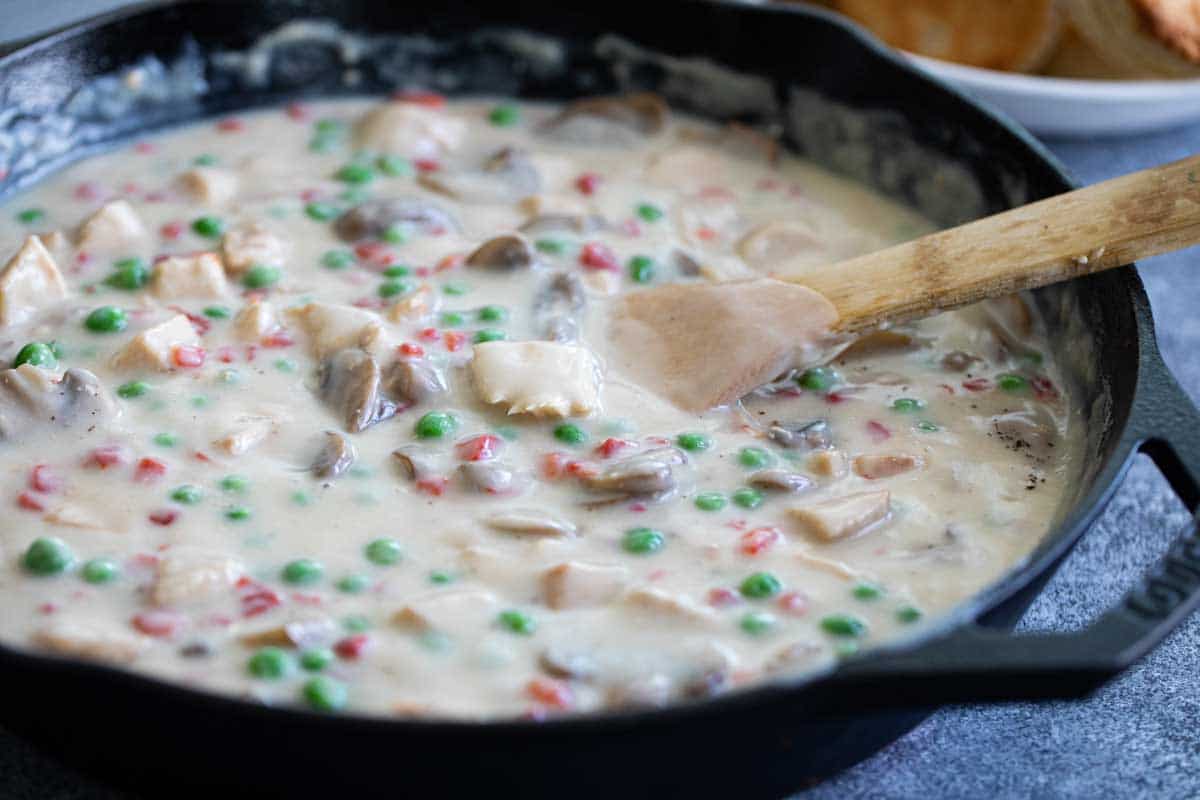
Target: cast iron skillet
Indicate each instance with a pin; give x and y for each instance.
(850, 105)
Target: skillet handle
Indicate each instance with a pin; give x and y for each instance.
(976, 663)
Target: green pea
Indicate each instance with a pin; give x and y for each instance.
(235, 483)
(37, 354)
(643, 541)
(710, 501)
(396, 272)
(451, 319)
(355, 174)
(517, 622)
(570, 433)
(551, 247)
(209, 227)
(843, 625)
(489, 335)
(217, 312)
(908, 614)
(321, 212)
(285, 365)
(693, 442)
(270, 664)
(441, 577)
(435, 425)
(1012, 383)
(455, 288)
(845, 649)
(260, 276)
(754, 457)
(132, 389)
(48, 555)
(187, 494)
(395, 166)
(819, 379)
(56, 347)
(100, 570)
(927, 427)
(867, 591)
(394, 287)
(492, 314)
(746, 497)
(106, 319)
(353, 584)
(301, 498)
(641, 269)
(302, 572)
(323, 143)
(356, 623)
(384, 552)
(166, 439)
(907, 405)
(199, 401)
(504, 115)
(316, 659)
(649, 212)
(329, 126)
(204, 160)
(130, 274)
(29, 216)
(757, 623)
(325, 694)
(237, 514)
(760, 586)
(337, 259)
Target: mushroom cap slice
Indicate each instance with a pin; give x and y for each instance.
(374, 217)
(614, 120)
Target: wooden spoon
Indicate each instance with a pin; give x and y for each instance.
(707, 345)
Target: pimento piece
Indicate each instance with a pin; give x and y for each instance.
(145, 148)
(435, 487)
(278, 338)
(352, 647)
(256, 599)
(597, 255)
(878, 431)
(1043, 388)
(454, 340)
(550, 692)
(757, 540)
(429, 334)
(977, 384)
(611, 446)
(411, 350)
(587, 183)
(298, 112)
(171, 230)
(107, 456)
(427, 164)
(419, 97)
(188, 356)
(452, 261)
(199, 323)
(149, 470)
(376, 254)
(793, 603)
(722, 597)
(706, 233)
(28, 502)
(43, 479)
(478, 448)
(231, 125)
(582, 469)
(164, 517)
(553, 465)
(159, 624)
(226, 354)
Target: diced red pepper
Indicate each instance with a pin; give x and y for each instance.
(411, 350)
(43, 479)
(230, 125)
(435, 487)
(427, 164)
(171, 230)
(145, 148)
(159, 624)
(597, 255)
(352, 647)
(429, 334)
(878, 431)
(550, 692)
(582, 469)
(454, 340)
(256, 599)
(107, 456)
(1043, 388)
(706, 233)
(149, 470)
(421, 98)
(631, 228)
(611, 446)
(88, 191)
(794, 603)
(28, 502)
(200, 455)
(251, 352)
(722, 597)
(449, 262)
(164, 516)
(199, 323)
(833, 398)
(977, 384)
(226, 354)
(757, 540)
(188, 356)
(375, 253)
(479, 448)
(47, 608)
(553, 465)
(298, 112)
(716, 193)
(587, 183)
(278, 338)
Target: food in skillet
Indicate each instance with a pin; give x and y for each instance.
(318, 406)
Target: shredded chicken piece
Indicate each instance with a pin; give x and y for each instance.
(30, 281)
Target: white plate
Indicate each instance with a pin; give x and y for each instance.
(1072, 107)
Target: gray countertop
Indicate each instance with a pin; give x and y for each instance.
(1137, 737)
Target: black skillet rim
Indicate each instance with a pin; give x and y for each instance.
(1042, 560)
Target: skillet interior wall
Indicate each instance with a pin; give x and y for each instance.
(889, 129)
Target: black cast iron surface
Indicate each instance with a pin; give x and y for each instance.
(1137, 737)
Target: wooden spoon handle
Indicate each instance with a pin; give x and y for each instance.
(1088, 230)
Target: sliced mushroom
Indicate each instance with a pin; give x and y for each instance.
(415, 463)
(808, 435)
(414, 380)
(31, 397)
(558, 662)
(506, 176)
(351, 382)
(336, 456)
(648, 474)
(616, 121)
(958, 361)
(683, 263)
(779, 480)
(557, 306)
(530, 522)
(503, 253)
(581, 224)
(492, 477)
(374, 217)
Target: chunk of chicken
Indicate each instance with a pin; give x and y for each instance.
(410, 130)
(874, 466)
(504, 572)
(31, 398)
(445, 609)
(255, 321)
(414, 307)
(252, 243)
(154, 348)
(248, 432)
(331, 327)
(213, 186)
(200, 275)
(752, 331)
(544, 379)
(530, 522)
(666, 606)
(576, 584)
(192, 575)
(92, 640)
(828, 463)
(842, 517)
(114, 228)
(30, 281)
(305, 631)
